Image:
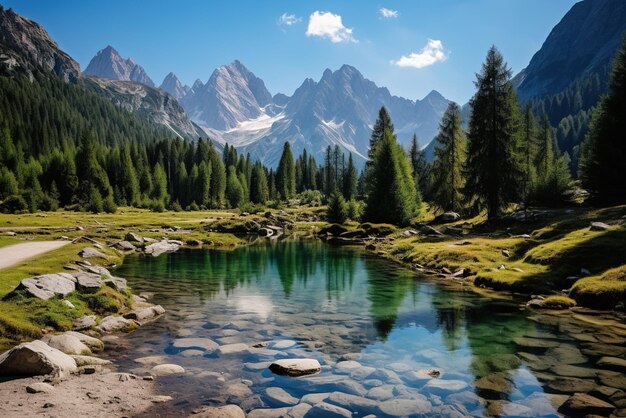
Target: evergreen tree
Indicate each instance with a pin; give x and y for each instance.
(449, 161)
(337, 211)
(259, 190)
(128, 177)
(218, 179)
(90, 172)
(493, 165)
(418, 163)
(350, 180)
(8, 183)
(159, 190)
(286, 175)
(602, 165)
(390, 189)
(234, 190)
(382, 124)
(202, 184)
(529, 154)
(545, 152)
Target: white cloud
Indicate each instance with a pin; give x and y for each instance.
(387, 13)
(287, 19)
(329, 25)
(432, 53)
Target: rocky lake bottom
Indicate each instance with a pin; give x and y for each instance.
(390, 343)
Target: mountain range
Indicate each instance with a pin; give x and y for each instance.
(235, 107)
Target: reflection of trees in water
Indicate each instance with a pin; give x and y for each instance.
(489, 328)
(386, 292)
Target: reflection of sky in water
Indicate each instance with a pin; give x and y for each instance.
(334, 302)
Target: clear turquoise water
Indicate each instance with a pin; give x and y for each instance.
(339, 303)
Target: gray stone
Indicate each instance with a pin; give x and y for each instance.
(145, 314)
(381, 393)
(353, 402)
(117, 283)
(125, 246)
(508, 409)
(295, 367)
(450, 216)
(570, 385)
(347, 366)
(205, 344)
(406, 407)
(39, 387)
(167, 369)
(94, 344)
(326, 410)
(48, 286)
(444, 387)
(283, 344)
(114, 323)
(68, 304)
(88, 282)
(36, 358)
(133, 237)
(89, 252)
(161, 247)
(67, 343)
(84, 322)
(232, 348)
(314, 398)
(280, 397)
(89, 361)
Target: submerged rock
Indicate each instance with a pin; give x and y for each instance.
(167, 369)
(418, 406)
(295, 367)
(228, 411)
(581, 404)
(205, 344)
(36, 358)
(326, 410)
(280, 397)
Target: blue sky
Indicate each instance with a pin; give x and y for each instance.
(412, 47)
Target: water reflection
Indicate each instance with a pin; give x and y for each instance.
(338, 303)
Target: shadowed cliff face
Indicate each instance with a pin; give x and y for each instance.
(26, 48)
(583, 42)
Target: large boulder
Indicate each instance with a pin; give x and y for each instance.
(84, 322)
(295, 367)
(88, 282)
(34, 359)
(161, 247)
(125, 246)
(67, 343)
(48, 286)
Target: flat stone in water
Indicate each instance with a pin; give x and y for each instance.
(570, 385)
(406, 407)
(151, 360)
(444, 387)
(228, 411)
(280, 396)
(295, 367)
(314, 398)
(569, 370)
(167, 370)
(283, 344)
(232, 348)
(353, 402)
(534, 343)
(381, 393)
(506, 408)
(582, 404)
(201, 343)
(326, 410)
(347, 366)
(613, 363)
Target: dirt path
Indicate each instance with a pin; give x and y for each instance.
(14, 254)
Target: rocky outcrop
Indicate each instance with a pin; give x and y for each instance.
(48, 286)
(34, 359)
(26, 47)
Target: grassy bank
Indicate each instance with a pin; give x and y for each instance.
(544, 255)
(23, 318)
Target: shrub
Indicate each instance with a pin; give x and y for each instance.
(157, 206)
(355, 210)
(337, 211)
(311, 198)
(13, 204)
(109, 204)
(194, 206)
(176, 207)
(48, 204)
